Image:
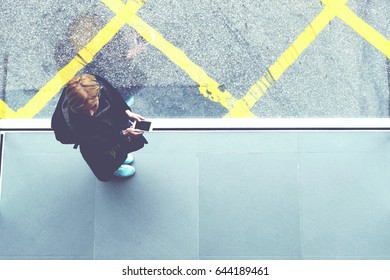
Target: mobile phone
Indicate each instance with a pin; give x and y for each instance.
(143, 125)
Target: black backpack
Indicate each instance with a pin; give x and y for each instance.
(62, 131)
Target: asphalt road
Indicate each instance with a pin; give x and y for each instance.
(181, 59)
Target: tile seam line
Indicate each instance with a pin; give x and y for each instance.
(94, 222)
(198, 185)
(2, 139)
(300, 198)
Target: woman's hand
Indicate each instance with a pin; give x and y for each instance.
(133, 116)
(131, 131)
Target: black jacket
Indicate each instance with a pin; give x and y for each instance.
(102, 145)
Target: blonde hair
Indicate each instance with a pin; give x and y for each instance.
(82, 90)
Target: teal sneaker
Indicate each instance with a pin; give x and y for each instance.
(124, 171)
(130, 101)
(129, 159)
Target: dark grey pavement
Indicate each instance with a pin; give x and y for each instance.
(339, 74)
(195, 195)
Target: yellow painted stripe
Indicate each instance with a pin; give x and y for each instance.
(5, 111)
(301, 43)
(366, 31)
(285, 61)
(207, 86)
(335, 5)
(85, 56)
(360, 26)
(333, 8)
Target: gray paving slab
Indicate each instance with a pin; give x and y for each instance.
(201, 195)
(343, 185)
(47, 202)
(249, 206)
(345, 205)
(154, 215)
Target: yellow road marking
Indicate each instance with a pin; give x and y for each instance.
(126, 13)
(5, 111)
(332, 9)
(360, 26)
(366, 31)
(335, 5)
(285, 61)
(207, 86)
(85, 56)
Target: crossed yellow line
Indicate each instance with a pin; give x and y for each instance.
(85, 56)
(209, 88)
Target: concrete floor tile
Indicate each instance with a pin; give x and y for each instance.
(153, 215)
(345, 205)
(47, 207)
(249, 205)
